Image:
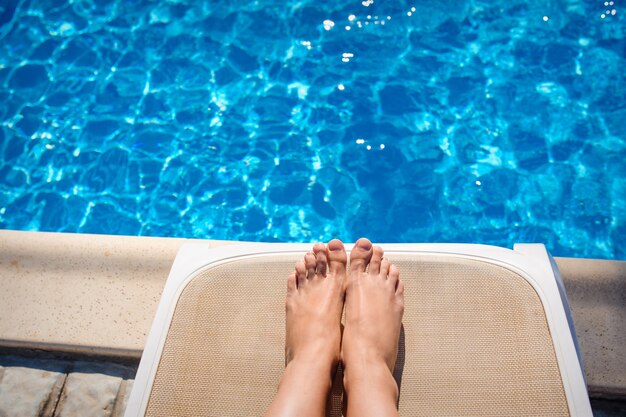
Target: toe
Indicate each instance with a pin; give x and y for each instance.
(300, 272)
(310, 263)
(337, 256)
(291, 283)
(384, 267)
(400, 295)
(360, 255)
(394, 276)
(319, 247)
(400, 288)
(321, 259)
(377, 257)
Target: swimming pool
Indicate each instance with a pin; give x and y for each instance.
(444, 121)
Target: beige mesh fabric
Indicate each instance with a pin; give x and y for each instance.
(475, 342)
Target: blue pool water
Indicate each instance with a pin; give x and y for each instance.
(442, 121)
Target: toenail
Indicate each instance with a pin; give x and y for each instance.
(364, 244)
(334, 246)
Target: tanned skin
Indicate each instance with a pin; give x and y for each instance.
(317, 292)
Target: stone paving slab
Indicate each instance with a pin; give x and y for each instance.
(92, 294)
(597, 294)
(122, 398)
(91, 395)
(27, 392)
(45, 387)
(89, 293)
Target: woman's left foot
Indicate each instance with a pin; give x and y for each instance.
(314, 304)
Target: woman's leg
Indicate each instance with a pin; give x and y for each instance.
(314, 304)
(374, 306)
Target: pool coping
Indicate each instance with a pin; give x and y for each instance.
(97, 295)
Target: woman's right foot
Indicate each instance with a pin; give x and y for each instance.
(374, 306)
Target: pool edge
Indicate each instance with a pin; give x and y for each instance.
(96, 295)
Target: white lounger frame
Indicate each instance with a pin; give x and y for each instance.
(531, 261)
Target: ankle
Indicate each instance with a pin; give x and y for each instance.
(314, 361)
(370, 376)
(314, 354)
(318, 373)
(303, 388)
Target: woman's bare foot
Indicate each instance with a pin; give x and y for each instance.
(315, 292)
(314, 304)
(374, 306)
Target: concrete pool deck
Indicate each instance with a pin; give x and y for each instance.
(97, 295)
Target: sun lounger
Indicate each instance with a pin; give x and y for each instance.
(486, 332)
